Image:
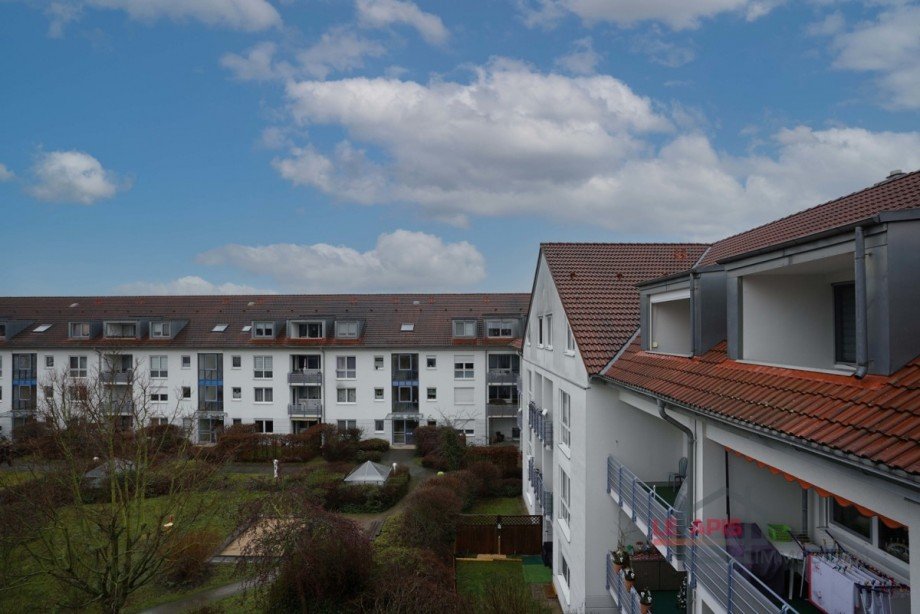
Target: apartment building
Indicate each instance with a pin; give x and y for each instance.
(382, 363)
(772, 378)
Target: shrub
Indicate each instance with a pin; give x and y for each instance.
(426, 440)
(188, 565)
(410, 580)
(434, 461)
(340, 445)
(510, 487)
(462, 483)
(506, 458)
(488, 475)
(165, 439)
(369, 455)
(374, 445)
(429, 519)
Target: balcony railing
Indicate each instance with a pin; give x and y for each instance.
(401, 407)
(538, 486)
(211, 409)
(405, 375)
(23, 374)
(547, 499)
(530, 469)
(119, 406)
(541, 424)
(305, 377)
(117, 377)
(498, 376)
(728, 582)
(652, 514)
(627, 599)
(501, 410)
(306, 407)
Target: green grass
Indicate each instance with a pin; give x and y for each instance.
(535, 572)
(505, 506)
(243, 603)
(472, 576)
(12, 478)
(153, 594)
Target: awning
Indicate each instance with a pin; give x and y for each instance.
(888, 522)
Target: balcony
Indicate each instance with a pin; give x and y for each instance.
(306, 407)
(402, 407)
(538, 486)
(23, 375)
(405, 377)
(649, 511)
(541, 424)
(498, 409)
(210, 409)
(728, 582)
(118, 407)
(499, 376)
(305, 377)
(627, 599)
(117, 377)
(547, 498)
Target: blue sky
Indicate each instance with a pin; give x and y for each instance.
(222, 146)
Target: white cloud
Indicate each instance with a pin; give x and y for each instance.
(60, 14)
(6, 174)
(583, 59)
(661, 50)
(400, 261)
(338, 50)
(246, 15)
(73, 177)
(382, 13)
(586, 149)
(677, 14)
(190, 284)
(889, 47)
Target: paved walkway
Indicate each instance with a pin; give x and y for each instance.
(200, 599)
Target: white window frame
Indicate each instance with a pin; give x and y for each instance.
(263, 367)
(160, 330)
(379, 394)
(236, 361)
(549, 332)
(344, 425)
(350, 369)
(264, 426)
(159, 396)
(539, 331)
(428, 394)
(49, 361)
(84, 331)
(236, 393)
(565, 497)
(320, 323)
(79, 371)
(565, 419)
(431, 362)
(505, 328)
(464, 367)
(381, 424)
(464, 328)
(350, 395)
(263, 330)
(160, 370)
(185, 361)
(263, 392)
(569, 340)
(346, 329)
(378, 363)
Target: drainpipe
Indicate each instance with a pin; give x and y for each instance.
(862, 334)
(691, 468)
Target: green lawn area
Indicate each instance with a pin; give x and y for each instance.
(472, 576)
(13, 477)
(152, 594)
(505, 506)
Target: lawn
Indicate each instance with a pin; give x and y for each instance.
(472, 576)
(504, 506)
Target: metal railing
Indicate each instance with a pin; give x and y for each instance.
(538, 486)
(306, 407)
(627, 599)
(661, 520)
(546, 433)
(530, 469)
(117, 377)
(119, 406)
(402, 407)
(501, 410)
(305, 376)
(498, 376)
(547, 498)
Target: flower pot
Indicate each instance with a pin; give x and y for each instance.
(646, 608)
(617, 567)
(630, 584)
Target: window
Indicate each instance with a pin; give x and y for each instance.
(566, 499)
(845, 323)
(565, 402)
(502, 394)
(346, 330)
(406, 394)
(378, 426)
(431, 362)
(540, 331)
(120, 330)
(407, 327)
(159, 421)
(247, 328)
(464, 328)
(566, 572)
(159, 330)
(49, 391)
(850, 518)
(569, 340)
(346, 395)
(499, 328)
(463, 367)
(49, 362)
(42, 328)
(378, 394)
(237, 421)
(263, 395)
(159, 397)
(872, 529)
(236, 362)
(549, 331)
(237, 393)
(262, 367)
(346, 424)
(405, 362)
(263, 330)
(79, 330)
(507, 363)
(186, 392)
(186, 362)
(265, 426)
(432, 394)
(219, 328)
(309, 330)
(158, 367)
(345, 367)
(78, 366)
(463, 396)
(378, 363)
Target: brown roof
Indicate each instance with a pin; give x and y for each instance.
(895, 194)
(381, 315)
(876, 418)
(597, 285)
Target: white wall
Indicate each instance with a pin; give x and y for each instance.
(671, 332)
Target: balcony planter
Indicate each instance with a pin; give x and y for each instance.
(645, 600)
(620, 559)
(629, 577)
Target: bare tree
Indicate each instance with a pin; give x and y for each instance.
(120, 487)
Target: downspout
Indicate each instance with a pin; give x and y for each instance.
(862, 333)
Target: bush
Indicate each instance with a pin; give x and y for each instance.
(374, 445)
(462, 483)
(503, 595)
(164, 439)
(426, 440)
(340, 445)
(506, 458)
(510, 487)
(240, 443)
(488, 475)
(369, 455)
(434, 461)
(429, 519)
(365, 498)
(411, 580)
(188, 565)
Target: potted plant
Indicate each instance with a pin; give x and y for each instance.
(629, 576)
(645, 600)
(620, 559)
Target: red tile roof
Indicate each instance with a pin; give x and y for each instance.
(382, 315)
(876, 418)
(892, 195)
(597, 285)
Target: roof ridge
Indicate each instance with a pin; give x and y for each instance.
(625, 243)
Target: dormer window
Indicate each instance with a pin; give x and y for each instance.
(499, 328)
(464, 328)
(121, 330)
(407, 327)
(263, 330)
(3, 330)
(346, 330)
(159, 330)
(308, 330)
(78, 330)
(669, 323)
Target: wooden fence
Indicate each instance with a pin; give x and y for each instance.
(517, 535)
